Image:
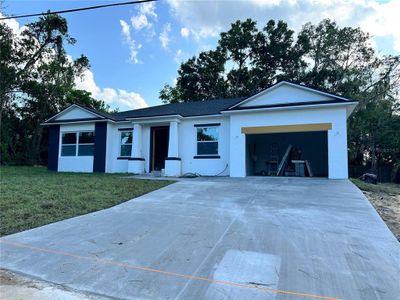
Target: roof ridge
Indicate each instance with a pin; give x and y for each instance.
(178, 103)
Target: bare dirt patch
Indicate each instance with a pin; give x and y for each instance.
(16, 287)
(388, 207)
(385, 197)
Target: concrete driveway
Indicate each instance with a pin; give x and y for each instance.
(253, 238)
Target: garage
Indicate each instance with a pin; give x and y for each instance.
(289, 130)
(300, 150)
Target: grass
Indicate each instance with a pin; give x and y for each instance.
(32, 196)
(389, 188)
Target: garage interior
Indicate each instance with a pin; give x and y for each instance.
(301, 154)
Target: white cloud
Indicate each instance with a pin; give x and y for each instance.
(384, 22)
(262, 3)
(208, 18)
(132, 44)
(148, 8)
(126, 31)
(164, 36)
(13, 24)
(141, 20)
(185, 32)
(180, 56)
(119, 98)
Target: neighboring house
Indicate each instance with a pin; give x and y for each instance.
(235, 137)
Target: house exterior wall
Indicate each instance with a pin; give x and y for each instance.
(74, 163)
(113, 164)
(100, 147)
(145, 146)
(231, 143)
(337, 136)
(188, 147)
(54, 139)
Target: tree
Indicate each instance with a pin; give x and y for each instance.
(37, 80)
(338, 60)
(85, 98)
(46, 91)
(8, 67)
(238, 43)
(277, 56)
(375, 126)
(199, 78)
(245, 61)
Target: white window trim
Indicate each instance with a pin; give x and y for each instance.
(217, 141)
(76, 144)
(120, 143)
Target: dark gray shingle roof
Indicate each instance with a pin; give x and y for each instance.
(187, 109)
(200, 108)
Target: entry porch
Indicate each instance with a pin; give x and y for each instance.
(163, 151)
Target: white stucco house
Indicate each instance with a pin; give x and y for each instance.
(227, 137)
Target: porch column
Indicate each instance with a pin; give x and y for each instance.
(173, 161)
(136, 161)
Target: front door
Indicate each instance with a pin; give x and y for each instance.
(159, 147)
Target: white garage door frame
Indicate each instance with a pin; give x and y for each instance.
(331, 119)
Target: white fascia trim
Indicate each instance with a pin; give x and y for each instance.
(85, 121)
(205, 116)
(73, 106)
(254, 110)
(291, 84)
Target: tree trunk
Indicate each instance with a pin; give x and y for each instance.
(36, 143)
(374, 162)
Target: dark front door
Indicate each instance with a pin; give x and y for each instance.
(159, 147)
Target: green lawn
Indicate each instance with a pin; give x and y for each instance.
(389, 188)
(33, 196)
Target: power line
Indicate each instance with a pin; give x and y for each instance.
(76, 9)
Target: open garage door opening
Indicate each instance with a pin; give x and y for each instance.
(287, 154)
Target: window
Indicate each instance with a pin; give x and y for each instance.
(68, 144)
(77, 143)
(86, 143)
(126, 143)
(207, 140)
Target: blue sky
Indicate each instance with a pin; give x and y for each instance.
(134, 50)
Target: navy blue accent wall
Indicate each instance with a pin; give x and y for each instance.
(100, 141)
(54, 140)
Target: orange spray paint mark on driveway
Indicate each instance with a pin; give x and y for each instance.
(129, 266)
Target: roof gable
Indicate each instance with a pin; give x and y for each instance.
(75, 112)
(287, 93)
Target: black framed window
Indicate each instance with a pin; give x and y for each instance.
(126, 143)
(80, 143)
(86, 143)
(68, 144)
(207, 140)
